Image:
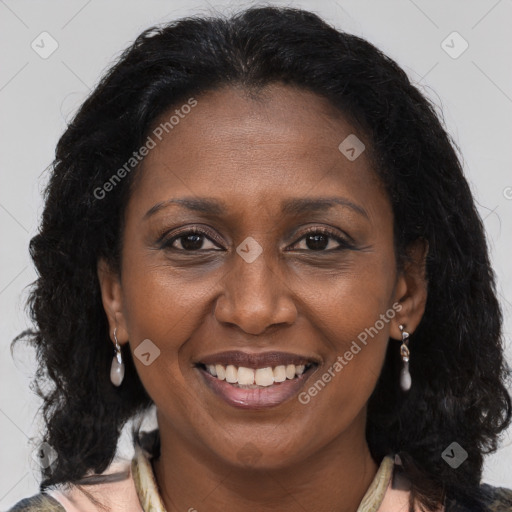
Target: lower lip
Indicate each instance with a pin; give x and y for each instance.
(256, 398)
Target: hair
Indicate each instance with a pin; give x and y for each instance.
(459, 372)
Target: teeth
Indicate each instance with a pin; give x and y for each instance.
(280, 373)
(264, 376)
(231, 374)
(290, 371)
(245, 375)
(220, 371)
(259, 377)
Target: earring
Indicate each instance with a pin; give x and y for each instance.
(117, 368)
(405, 376)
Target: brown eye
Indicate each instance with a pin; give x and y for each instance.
(317, 242)
(322, 240)
(188, 241)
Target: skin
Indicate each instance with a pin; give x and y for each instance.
(255, 152)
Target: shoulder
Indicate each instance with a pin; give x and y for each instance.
(38, 503)
(495, 499)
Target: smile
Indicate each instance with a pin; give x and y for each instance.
(256, 381)
(256, 378)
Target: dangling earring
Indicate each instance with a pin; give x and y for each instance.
(117, 368)
(405, 376)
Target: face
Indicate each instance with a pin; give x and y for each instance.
(251, 241)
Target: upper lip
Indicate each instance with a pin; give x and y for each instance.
(257, 360)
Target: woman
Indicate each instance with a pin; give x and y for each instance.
(259, 227)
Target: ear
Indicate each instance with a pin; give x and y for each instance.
(112, 298)
(411, 289)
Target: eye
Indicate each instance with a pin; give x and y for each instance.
(323, 240)
(194, 239)
(190, 240)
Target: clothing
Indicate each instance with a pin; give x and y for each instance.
(134, 489)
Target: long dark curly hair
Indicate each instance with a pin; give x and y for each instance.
(459, 371)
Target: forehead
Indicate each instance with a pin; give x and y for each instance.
(253, 149)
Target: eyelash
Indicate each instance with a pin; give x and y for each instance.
(167, 244)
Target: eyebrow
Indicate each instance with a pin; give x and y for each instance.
(320, 204)
(288, 207)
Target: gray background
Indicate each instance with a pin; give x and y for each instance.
(38, 96)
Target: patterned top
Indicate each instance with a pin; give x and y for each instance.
(133, 487)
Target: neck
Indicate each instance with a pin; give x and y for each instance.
(334, 479)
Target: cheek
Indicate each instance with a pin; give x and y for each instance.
(161, 301)
(353, 315)
(355, 327)
(162, 310)
(344, 304)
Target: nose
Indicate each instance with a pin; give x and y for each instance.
(255, 297)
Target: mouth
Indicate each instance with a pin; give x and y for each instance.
(256, 381)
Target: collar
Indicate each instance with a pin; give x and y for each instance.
(145, 481)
